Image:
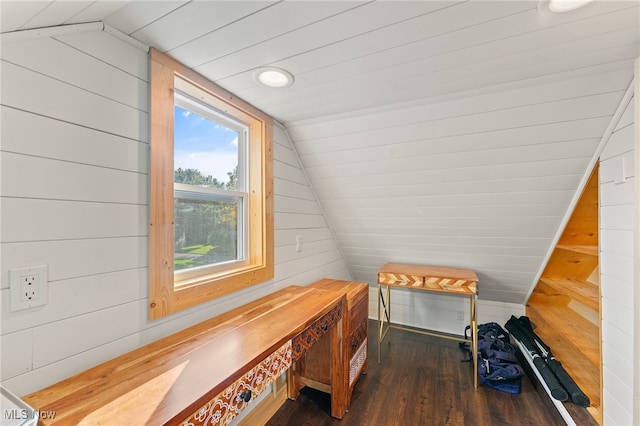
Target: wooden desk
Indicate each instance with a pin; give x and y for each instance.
(206, 373)
(429, 278)
(314, 368)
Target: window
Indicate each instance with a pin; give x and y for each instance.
(211, 179)
(210, 189)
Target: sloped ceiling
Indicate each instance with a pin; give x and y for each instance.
(438, 132)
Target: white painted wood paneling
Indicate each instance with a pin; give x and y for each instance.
(617, 195)
(74, 196)
(76, 258)
(79, 69)
(624, 399)
(96, 11)
(616, 413)
(353, 21)
(618, 291)
(440, 162)
(62, 102)
(419, 309)
(348, 96)
(438, 183)
(195, 20)
(420, 110)
(618, 145)
(618, 314)
(44, 220)
(620, 169)
(74, 143)
(76, 296)
(440, 312)
(64, 338)
(298, 214)
(635, 409)
(232, 40)
(134, 15)
(355, 55)
(107, 48)
(57, 179)
(445, 120)
(398, 116)
(450, 132)
(439, 60)
(55, 12)
(489, 311)
(383, 47)
(14, 14)
(617, 217)
(17, 352)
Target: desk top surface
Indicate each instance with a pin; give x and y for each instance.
(162, 381)
(435, 278)
(430, 271)
(353, 290)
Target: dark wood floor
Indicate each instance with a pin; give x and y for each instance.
(421, 381)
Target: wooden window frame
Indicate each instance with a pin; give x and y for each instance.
(167, 296)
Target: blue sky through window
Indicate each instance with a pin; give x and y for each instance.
(203, 144)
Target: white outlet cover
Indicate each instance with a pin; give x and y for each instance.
(15, 284)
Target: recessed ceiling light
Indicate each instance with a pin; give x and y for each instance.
(559, 6)
(273, 77)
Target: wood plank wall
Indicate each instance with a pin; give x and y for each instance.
(480, 182)
(74, 196)
(617, 271)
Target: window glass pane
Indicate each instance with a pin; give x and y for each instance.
(205, 151)
(207, 228)
(206, 232)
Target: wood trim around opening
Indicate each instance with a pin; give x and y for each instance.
(165, 295)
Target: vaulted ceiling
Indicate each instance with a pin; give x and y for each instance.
(438, 132)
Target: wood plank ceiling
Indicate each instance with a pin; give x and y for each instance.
(438, 132)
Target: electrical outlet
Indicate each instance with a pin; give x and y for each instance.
(460, 315)
(28, 287)
(298, 243)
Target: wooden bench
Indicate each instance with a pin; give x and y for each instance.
(206, 373)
